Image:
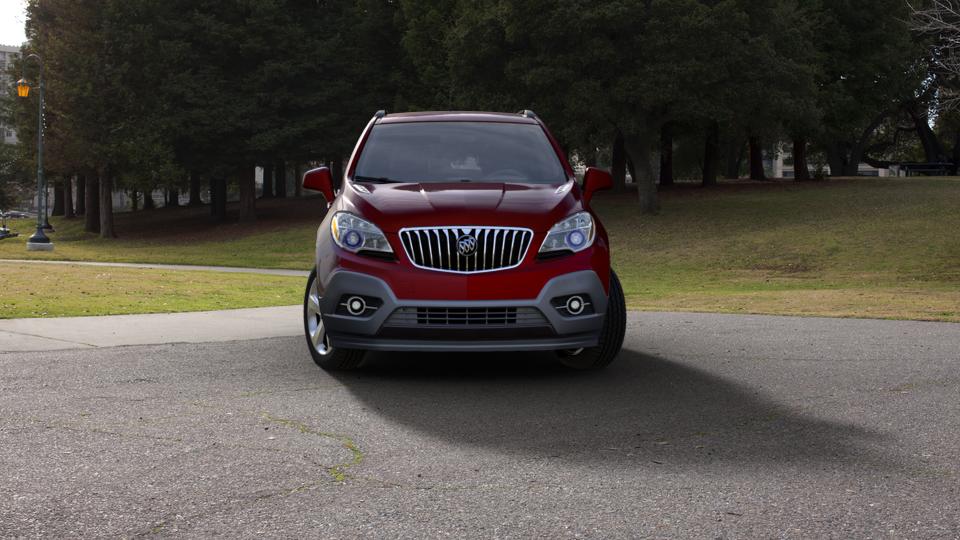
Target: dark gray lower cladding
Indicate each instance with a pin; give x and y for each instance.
(458, 325)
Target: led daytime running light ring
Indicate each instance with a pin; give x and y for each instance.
(352, 239)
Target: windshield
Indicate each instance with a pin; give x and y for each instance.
(430, 152)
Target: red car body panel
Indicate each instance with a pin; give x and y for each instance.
(395, 206)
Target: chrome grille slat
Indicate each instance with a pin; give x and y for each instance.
(439, 243)
(481, 249)
(444, 246)
(429, 246)
(436, 248)
(503, 246)
(476, 254)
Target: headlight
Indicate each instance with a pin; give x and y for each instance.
(574, 233)
(356, 234)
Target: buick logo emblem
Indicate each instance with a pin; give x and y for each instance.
(467, 245)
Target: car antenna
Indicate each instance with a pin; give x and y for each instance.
(527, 113)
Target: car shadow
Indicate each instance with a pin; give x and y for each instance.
(641, 407)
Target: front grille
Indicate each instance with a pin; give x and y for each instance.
(466, 317)
(438, 248)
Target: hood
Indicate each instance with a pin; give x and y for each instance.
(395, 206)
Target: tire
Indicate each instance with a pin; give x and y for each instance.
(611, 335)
(327, 357)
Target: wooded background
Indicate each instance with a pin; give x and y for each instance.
(192, 95)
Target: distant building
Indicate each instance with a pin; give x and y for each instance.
(8, 55)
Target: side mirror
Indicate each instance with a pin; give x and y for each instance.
(595, 180)
(319, 179)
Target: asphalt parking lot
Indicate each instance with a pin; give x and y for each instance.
(707, 426)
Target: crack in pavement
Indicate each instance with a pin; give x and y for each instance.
(338, 471)
(44, 337)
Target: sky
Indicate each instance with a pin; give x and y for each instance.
(11, 22)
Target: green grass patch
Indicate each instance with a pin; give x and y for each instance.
(62, 291)
(282, 237)
(868, 247)
(862, 247)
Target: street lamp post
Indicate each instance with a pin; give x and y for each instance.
(39, 241)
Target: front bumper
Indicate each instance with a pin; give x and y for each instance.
(550, 330)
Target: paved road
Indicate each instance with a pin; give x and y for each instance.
(708, 426)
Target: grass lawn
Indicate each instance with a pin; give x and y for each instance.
(283, 237)
(867, 247)
(881, 248)
(60, 291)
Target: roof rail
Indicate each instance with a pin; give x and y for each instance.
(527, 113)
(380, 114)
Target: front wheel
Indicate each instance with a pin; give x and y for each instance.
(611, 335)
(318, 342)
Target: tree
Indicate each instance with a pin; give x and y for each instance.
(940, 20)
(15, 181)
(870, 63)
(101, 99)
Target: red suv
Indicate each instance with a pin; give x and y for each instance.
(461, 231)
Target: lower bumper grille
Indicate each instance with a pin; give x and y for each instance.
(466, 317)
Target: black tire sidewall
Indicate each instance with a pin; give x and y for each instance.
(337, 359)
(611, 334)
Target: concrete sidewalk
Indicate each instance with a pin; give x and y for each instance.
(21, 335)
(229, 269)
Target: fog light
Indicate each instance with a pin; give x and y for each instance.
(356, 305)
(575, 305)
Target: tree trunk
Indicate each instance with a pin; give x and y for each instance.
(106, 204)
(590, 159)
(618, 164)
(711, 152)
(298, 179)
(280, 186)
(835, 159)
(956, 153)
(68, 197)
(57, 199)
(666, 155)
(268, 181)
(81, 195)
(195, 199)
(801, 172)
(336, 170)
(91, 214)
(852, 165)
(134, 197)
(756, 159)
(734, 159)
(638, 147)
(247, 179)
(932, 149)
(218, 198)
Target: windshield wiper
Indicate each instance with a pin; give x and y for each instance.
(375, 179)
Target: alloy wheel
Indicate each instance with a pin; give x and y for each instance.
(318, 334)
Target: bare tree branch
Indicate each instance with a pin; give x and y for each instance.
(941, 19)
